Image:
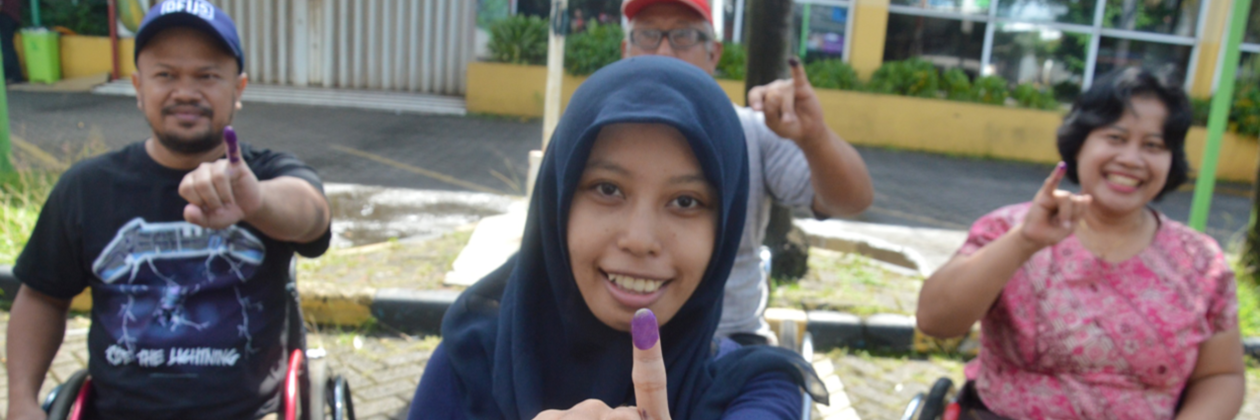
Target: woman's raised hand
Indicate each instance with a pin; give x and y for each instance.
(648, 374)
(1054, 213)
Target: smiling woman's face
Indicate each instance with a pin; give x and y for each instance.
(1124, 165)
(642, 224)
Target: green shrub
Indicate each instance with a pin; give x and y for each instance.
(1200, 108)
(957, 85)
(913, 77)
(1245, 114)
(519, 39)
(1029, 96)
(84, 17)
(832, 74)
(733, 63)
(990, 90)
(1066, 91)
(591, 50)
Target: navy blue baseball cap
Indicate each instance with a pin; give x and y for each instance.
(196, 14)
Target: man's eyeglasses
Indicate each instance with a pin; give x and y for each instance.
(679, 39)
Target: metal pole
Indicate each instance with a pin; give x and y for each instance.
(804, 29)
(35, 20)
(555, 68)
(1218, 117)
(114, 72)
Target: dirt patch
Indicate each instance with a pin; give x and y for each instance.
(850, 283)
(392, 264)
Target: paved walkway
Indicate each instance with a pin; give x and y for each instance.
(489, 154)
(383, 369)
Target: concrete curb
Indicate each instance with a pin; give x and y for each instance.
(421, 312)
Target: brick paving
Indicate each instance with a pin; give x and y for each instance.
(382, 369)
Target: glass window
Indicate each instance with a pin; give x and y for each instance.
(1114, 53)
(948, 43)
(1062, 11)
(971, 7)
(824, 36)
(1026, 53)
(1175, 17)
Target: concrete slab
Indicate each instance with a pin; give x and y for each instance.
(364, 215)
(494, 240)
(77, 84)
(920, 249)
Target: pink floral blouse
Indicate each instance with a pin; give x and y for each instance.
(1075, 337)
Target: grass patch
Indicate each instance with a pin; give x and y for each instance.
(849, 283)
(1248, 306)
(22, 196)
(421, 266)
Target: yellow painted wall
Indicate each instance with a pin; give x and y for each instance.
(870, 26)
(88, 55)
(930, 125)
(507, 89)
(937, 125)
(1209, 48)
(1237, 160)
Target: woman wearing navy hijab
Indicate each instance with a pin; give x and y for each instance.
(639, 204)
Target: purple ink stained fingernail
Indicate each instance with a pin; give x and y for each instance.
(793, 61)
(229, 136)
(644, 330)
(1062, 166)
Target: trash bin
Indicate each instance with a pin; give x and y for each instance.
(43, 55)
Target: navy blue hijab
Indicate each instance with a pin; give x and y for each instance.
(527, 342)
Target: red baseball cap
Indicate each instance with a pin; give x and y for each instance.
(629, 8)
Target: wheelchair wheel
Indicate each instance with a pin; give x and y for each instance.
(337, 392)
(62, 398)
(936, 399)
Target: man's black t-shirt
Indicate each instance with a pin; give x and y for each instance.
(187, 322)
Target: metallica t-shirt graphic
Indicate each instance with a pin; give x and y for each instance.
(163, 275)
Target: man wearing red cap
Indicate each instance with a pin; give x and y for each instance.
(794, 158)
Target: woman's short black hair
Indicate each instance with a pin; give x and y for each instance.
(1109, 98)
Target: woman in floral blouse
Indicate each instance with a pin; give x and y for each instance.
(1094, 305)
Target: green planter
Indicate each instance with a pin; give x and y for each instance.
(43, 55)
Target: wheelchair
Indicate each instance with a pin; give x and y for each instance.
(939, 403)
(306, 378)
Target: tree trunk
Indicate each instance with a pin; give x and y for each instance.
(769, 40)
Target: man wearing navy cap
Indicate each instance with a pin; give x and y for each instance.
(794, 159)
(185, 241)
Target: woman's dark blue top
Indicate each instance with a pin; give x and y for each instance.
(771, 396)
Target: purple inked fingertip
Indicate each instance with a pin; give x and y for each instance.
(229, 136)
(793, 61)
(643, 329)
(1061, 167)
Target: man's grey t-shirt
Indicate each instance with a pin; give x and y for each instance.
(777, 171)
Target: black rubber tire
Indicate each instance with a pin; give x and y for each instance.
(67, 392)
(935, 401)
(337, 393)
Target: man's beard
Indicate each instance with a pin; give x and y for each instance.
(194, 144)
